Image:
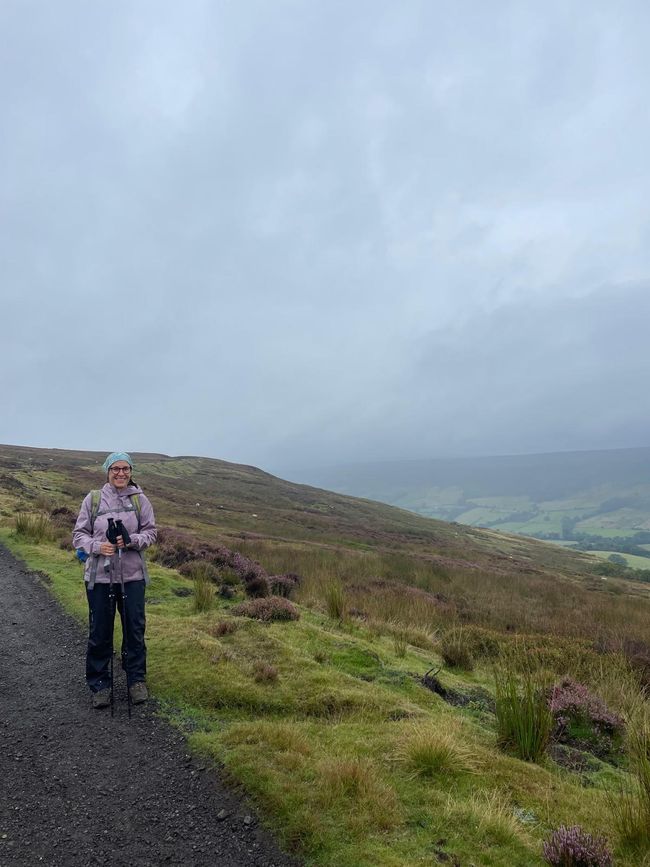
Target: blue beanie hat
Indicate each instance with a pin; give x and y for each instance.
(117, 456)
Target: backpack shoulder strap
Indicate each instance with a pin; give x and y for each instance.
(94, 508)
(135, 499)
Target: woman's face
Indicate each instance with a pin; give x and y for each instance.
(119, 474)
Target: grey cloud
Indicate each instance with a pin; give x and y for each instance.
(312, 230)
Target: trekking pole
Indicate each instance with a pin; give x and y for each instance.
(126, 539)
(111, 601)
(111, 535)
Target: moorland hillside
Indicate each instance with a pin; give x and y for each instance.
(390, 689)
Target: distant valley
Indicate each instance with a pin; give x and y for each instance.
(593, 500)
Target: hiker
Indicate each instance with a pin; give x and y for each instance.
(115, 573)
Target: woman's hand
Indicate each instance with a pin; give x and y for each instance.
(120, 542)
(107, 549)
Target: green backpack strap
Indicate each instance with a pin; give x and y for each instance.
(135, 499)
(95, 496)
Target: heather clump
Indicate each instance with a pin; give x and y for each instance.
(582, 719)
(267, 609)
(573, 847)
(176, 550)
(256, 584)
(285, 585)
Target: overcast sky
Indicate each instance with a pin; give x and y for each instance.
(308, 231)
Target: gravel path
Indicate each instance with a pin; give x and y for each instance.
(80, 788)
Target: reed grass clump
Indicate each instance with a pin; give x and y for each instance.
(203, 587)
(34, 528)
(631, 806)
(400, 643)
(335, 601)
(524, 721)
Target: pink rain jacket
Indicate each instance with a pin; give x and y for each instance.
(115, 504)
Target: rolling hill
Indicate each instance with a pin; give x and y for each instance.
(596, 500)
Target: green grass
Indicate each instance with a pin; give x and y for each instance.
(351, 763)
(324, 721)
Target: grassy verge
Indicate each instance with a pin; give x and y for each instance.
(351, 759)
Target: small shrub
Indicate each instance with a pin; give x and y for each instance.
(257, 586)
(573, 847)
(63, 518)
(267, 609)
(571, 700)
(285, 585)
(455, 650)
(524, 721)
(224, 627)
(34, 528)
(264, 672)
(335, 601)
(583, 719)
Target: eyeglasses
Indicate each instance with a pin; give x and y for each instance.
(117, 470)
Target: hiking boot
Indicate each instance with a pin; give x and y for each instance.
(138, 692)
(102, 698)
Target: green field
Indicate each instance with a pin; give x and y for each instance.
(632, 560)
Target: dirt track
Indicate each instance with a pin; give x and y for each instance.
(80, 788)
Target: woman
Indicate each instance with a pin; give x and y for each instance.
(115, 574)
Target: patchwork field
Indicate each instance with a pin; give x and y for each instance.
(584, 497)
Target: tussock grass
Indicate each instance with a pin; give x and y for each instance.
(353, 787)
(34, 528)
(203, 587)
(428, 752)
(495, 818)
(454, 649)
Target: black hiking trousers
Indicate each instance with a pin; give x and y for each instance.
(101, 616)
